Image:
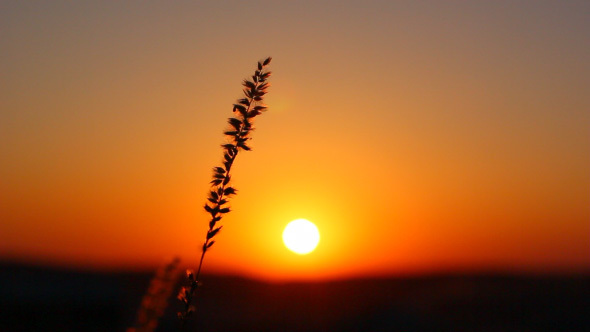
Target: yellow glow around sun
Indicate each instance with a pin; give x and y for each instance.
(301, 236)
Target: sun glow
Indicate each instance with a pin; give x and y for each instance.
(301, 236)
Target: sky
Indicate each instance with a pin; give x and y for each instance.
(419, 136)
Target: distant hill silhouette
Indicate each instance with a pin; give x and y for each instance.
(42, 299)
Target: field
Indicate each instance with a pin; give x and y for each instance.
(41, 299)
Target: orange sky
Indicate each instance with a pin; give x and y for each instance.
(418, 136)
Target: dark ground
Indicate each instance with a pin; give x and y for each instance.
(41, 299)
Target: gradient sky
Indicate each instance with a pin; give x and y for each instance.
(419, 136)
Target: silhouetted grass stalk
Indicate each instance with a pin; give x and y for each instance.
(240, 127)
(155, 300)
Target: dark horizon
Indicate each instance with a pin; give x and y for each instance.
(20, 263)
(64, 300)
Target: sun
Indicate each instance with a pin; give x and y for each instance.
(301, 236)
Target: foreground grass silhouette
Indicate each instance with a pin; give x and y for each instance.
(238, 135)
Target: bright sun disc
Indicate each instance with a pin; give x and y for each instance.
(301, 236)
